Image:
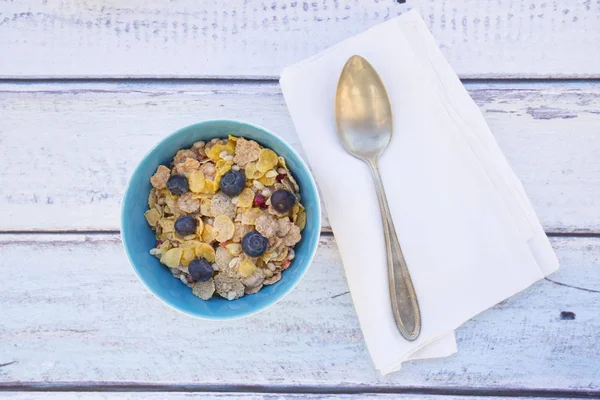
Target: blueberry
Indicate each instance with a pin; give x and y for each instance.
(178, 185)
(232, 183)
(200, 269)
(254, 244)
(282, 200)
(185, 225)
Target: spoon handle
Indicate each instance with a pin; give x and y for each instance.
(405, 306)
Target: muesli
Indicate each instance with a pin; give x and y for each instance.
(227, 215)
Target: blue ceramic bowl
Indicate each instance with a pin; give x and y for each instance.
(138, 238)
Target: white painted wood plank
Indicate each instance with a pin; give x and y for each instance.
(255, 38)
(70, 148)
(73, 311)
(236, 396)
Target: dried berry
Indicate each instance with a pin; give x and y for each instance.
(260, 201)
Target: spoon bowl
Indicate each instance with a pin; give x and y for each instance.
(363, 112)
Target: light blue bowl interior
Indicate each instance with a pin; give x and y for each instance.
(138, 238)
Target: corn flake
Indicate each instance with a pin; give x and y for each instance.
(301, 219)
(210, 187)
(230, 144)
(167, 225)
(234, 248)
(223, 228)
(267, 256)
(187, 256)
(206, 251)
(247, 267)
(196, 181)
(267, 159)
(281, 162)
(295, 211)
(152, 216)
(208, 234)
(199, 227)
(252, 172)
(217, 149)
(164, 246)
(214, 151)
(222, 167)
(249, 217)
(170, 237)
(189, 244)
(268, 181)
(171, 258)
(245, 198)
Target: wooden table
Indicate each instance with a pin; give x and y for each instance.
(88, 86)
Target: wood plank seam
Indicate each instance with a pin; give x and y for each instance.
(325, 232)
(231, 396)
(108, 387)
(266, 80)
(572, 286)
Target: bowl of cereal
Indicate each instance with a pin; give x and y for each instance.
(221, 219)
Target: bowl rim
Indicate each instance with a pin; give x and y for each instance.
(314, 242)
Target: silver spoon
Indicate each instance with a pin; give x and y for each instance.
(364, 121)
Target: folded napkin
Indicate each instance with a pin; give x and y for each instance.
(469, 234)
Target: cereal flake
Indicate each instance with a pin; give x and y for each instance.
(204, 290)
(249, 217)
(274, 279)
(152, 216)
(223, 228)
(228, 287)
(160, 178)
(266, 225)
(293, 236)
(223, 257)
(283, 226)
(221, 204)
(186, 167)
(253, 289)
(256, 278)
(245, 151)
(188, 203)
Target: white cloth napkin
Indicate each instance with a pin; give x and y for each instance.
(469, 234)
